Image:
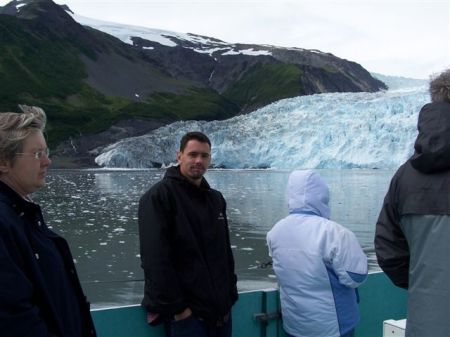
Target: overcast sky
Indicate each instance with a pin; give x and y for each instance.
(393, 37)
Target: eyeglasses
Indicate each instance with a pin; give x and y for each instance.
(37, 154)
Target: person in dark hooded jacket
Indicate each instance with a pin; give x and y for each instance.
(185, 248)
(413, 229)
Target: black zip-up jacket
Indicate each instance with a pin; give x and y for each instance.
(40, 293)
(185, 249)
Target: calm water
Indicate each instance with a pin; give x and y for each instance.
(96, 211)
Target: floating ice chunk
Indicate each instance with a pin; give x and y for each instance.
(235, 211)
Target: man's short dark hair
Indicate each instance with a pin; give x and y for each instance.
(197, 135)
(440, 87)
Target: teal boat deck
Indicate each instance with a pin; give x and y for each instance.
(379, 301)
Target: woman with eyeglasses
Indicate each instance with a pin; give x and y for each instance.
(40, 293)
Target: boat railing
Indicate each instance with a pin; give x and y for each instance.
(257, 313)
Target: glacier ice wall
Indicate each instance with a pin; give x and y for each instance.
(336, 130)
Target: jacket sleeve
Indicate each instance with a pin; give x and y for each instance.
(233, 285)
(348, 260)
(391, 247)
(162, 292)
(269, 246)
(19, 315)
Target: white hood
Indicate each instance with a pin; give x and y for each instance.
(308, 193)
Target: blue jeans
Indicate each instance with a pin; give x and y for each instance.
(194, 327)
(348, 334)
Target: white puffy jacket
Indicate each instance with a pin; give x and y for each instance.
(318, 263)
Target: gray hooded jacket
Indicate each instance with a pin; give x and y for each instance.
(413, 229)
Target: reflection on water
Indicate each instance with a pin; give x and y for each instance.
(96, 211)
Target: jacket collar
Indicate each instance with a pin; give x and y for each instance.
(174, 173)
(12, 198)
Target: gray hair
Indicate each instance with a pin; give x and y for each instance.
(15, 127)
(440, 87)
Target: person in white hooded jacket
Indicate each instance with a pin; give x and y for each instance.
(318, 263)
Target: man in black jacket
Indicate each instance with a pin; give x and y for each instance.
(413, 229)
(185, 248)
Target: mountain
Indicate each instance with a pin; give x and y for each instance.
(97, 88)
(331, 130)
(252, 75)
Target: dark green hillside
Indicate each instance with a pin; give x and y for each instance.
(39, 68)
(34, 65)
(198, 104)
(264, 84)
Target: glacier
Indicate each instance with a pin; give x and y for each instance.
(333, 130)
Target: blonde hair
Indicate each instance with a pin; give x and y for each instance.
(440, 87)
(15, 127)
